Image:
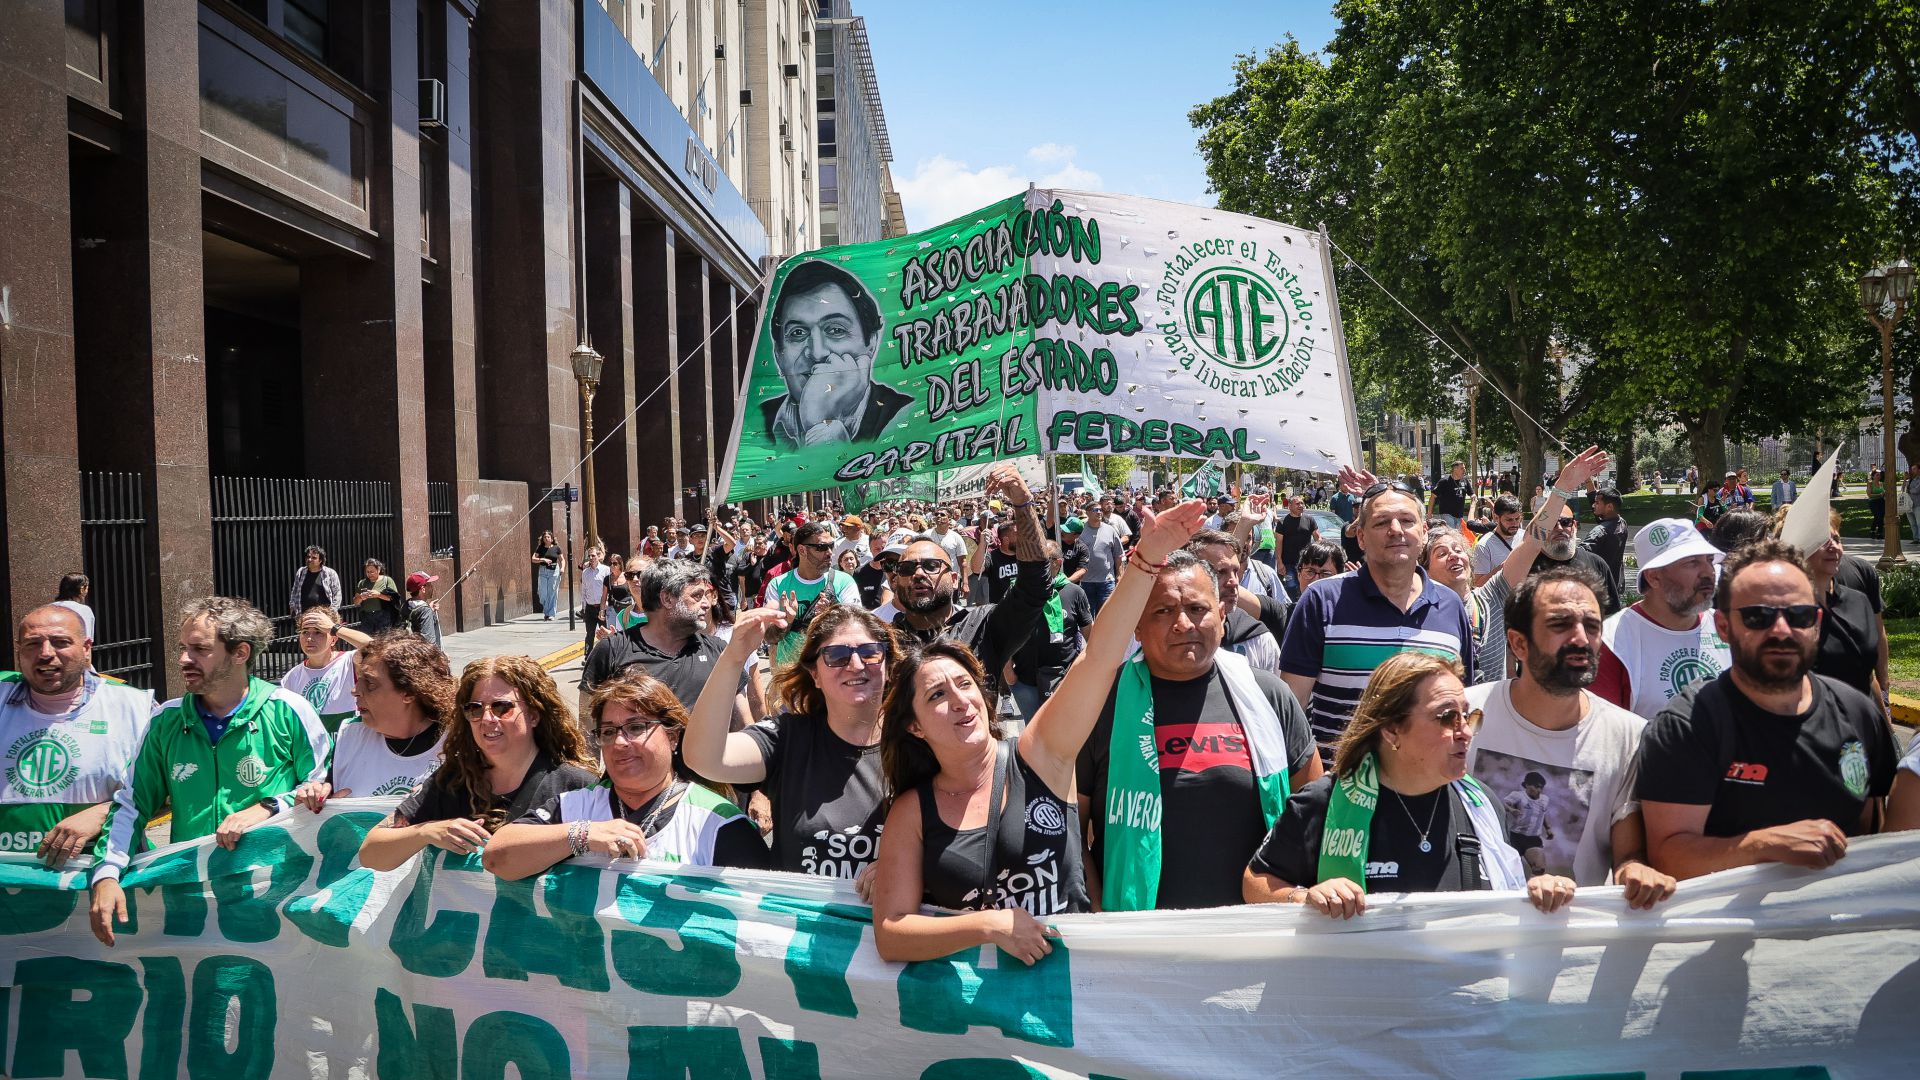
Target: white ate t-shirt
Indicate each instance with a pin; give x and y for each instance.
(329, 689)
(1644, 665)
(1590, 770)
(364, 764)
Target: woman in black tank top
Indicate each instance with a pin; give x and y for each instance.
(974, 826)
(986, 825)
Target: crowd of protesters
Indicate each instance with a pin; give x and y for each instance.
(1028, 704)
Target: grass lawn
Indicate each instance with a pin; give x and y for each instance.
(1903, 651)
(1642, 507)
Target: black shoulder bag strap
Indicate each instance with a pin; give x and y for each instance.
(994, 820)
(1466, 845)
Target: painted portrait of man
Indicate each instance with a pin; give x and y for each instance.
(826, 333)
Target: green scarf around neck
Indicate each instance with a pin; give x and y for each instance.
(1056, 615)
(1131, 838)
(1349, 828)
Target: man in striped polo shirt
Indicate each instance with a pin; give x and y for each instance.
(1344, 626)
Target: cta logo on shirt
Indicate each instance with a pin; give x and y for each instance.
(44, 762)
(1743, 772)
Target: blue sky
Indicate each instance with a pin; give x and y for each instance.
(983, 96)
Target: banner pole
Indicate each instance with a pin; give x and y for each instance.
(1340, 349)
(740, 400)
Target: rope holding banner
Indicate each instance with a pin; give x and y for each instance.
(1442, 342)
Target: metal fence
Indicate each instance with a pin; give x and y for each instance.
(261, 527)
(114, 547)
(443, 529)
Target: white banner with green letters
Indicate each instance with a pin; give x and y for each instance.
(1054, 322)
(285, 958)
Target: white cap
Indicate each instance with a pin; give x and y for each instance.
(1669, 540)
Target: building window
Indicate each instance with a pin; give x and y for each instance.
(823, 84)
(306, 26)
(826, 134)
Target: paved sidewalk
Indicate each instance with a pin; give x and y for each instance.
(529, 635)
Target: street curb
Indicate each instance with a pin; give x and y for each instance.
(1906, 710)
(565, 656)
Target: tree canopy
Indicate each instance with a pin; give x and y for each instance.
(1624, 213)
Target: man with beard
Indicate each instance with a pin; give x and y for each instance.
(811, 578)
(1660, 647)
(996, 565)
(926, 579)
(1546, 723)
(225, 757)
(1559, 547)
(1609, 540)
(1768, 762)
(672, 645)
(1493, 548)
(68, 737)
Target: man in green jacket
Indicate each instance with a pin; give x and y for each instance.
(223, 755)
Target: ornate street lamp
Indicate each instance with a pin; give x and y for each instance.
(586, 368)
(1885, 292)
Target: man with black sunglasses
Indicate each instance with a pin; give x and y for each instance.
(1559, 535)
(1768, 762)
(926, 580)
(812, 576)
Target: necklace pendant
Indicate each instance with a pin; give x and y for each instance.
(1425, 845)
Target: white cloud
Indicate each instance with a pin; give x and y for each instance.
(941, 188)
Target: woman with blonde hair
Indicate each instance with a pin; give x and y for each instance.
(515, 747)
(815, 759)
(642, 808)
(1399, 812)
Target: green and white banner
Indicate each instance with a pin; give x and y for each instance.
(285, 958)
(1056, 321)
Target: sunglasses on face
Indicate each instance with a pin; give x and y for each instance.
(1455, 719)
(633, 731)
(933, 567)
(1762, 616)
(501, 708)
(839, 656)
(818, 547)
(1566, 523)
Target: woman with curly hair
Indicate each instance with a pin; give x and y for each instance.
(815, 759)
(516, 748)
(405, 694)
(642, 808)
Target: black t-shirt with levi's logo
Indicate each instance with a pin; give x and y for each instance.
(1712, 746)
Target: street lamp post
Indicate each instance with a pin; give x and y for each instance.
(586, 368)
(1885, 292)
(1473, 430)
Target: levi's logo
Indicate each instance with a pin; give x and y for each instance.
(1741, 772)
(1202, 746)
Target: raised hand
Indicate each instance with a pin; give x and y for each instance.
(1585, 465)
(1162, 533)
(1354, 481)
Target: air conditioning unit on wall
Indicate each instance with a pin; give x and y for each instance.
(433, 103)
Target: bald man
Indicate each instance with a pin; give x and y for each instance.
(68, 737)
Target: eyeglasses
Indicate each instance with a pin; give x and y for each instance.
(632, 575)
(818, 547)
(1567, 523)
(839, 656)
(500, 707)
(1762, 616)
(633, 731)
(1458, 721)
(1315, 572)
(933, 567)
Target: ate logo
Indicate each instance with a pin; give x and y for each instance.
(43, 763)
(1237, 316)
(1742, 772)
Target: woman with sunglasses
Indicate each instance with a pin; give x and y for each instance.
(814, 759)
(515, 747)
(642, 808)
(1399, 812)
